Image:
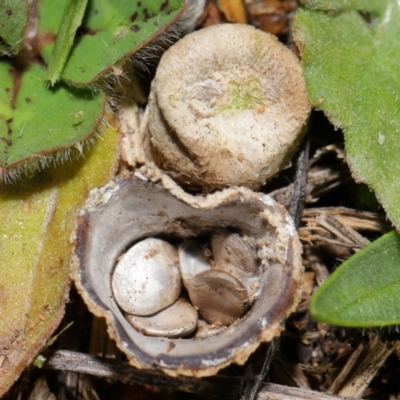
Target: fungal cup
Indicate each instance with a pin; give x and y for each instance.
(228, 107)
(128, 211)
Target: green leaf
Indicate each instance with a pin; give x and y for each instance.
(37, 217)
(334, 5)
(13, 24)
(365, 290)
(351, 65)
(110, 32)
(71, 20)
(35, 121)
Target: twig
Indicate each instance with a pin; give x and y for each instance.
(258, 366)
(300, 183)
(223, 387)
(272, 391)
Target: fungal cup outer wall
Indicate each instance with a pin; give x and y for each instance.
(127, 210)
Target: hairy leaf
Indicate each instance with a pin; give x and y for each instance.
(37, 219)
(35, 121)
(365, 290)
(335, 5)
(110, 32)
(350, 53)
(13, 24)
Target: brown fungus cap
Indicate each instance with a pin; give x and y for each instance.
(228, 107)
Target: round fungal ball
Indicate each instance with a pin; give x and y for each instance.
(147, 278)
(227, 107)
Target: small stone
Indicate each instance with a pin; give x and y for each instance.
(177, 320)
(147, 279)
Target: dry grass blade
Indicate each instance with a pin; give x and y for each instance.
(355, 219)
